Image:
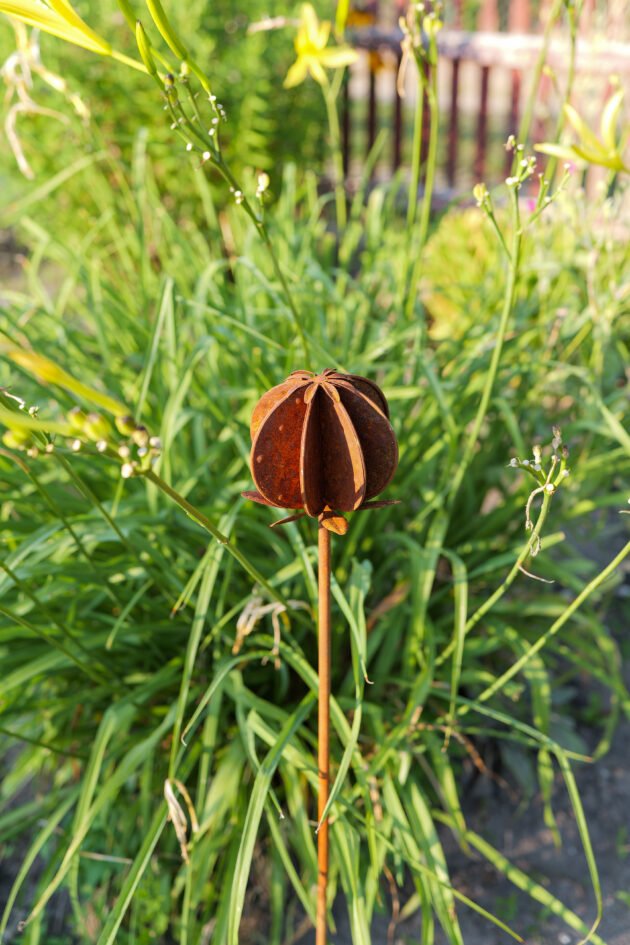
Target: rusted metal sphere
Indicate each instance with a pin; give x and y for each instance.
(322, 443)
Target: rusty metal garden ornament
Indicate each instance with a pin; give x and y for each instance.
(324, 444)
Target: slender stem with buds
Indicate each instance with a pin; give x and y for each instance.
(508, 305)
(517, 666)
(323, 742)
(528, 113)
(192, 134)
(429, 83)
(414, 178)
(227, 175)
(489, 603)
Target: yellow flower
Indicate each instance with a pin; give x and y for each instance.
(606, 151)
(312, 55)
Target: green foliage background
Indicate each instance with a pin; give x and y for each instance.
(117, 617)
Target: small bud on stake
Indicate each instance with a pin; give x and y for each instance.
(322, 443)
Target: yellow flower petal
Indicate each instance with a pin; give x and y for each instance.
(587, 138)
(302, 43)
(338, 56)
(557, 150)
(317, 71)
(297, 73)
(37, 15)
(608, 124)
(310, 23)
(323, 35)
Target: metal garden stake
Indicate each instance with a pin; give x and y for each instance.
(322, 443)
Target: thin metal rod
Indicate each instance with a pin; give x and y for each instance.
(323, 749)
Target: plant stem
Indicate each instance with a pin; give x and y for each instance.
(227, 175)
(323, 742)
(127, 61)
(528, 114)
(330, 98)
(412, 198)
(192, 134)
(205, 523)
(553, 629)
(509, 580)
(417, 245)
(552, 163)
(508, 304)
(434, 130)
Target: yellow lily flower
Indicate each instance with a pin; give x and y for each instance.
(605, 151)
(59, 18)
(313, 56)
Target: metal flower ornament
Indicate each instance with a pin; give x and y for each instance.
(323, 444)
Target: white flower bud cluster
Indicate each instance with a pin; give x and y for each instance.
(547, 480)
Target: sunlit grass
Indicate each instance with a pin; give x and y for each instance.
(118, 613)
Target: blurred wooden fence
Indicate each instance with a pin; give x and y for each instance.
(484, 80)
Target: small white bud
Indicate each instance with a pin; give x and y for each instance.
(75, 446)
(101, 446)
(124, 452)
(206, 155)
(126, 470)
(189, 146)
(550, 488)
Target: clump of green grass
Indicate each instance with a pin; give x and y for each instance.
(163, 723)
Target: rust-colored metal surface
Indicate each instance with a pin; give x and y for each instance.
(322, 443)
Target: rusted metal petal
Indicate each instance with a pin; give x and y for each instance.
(269, 400)
(342, 459)
(254, 496)
(379, 504)
(289, 518)
(376, 436)
(276, 449)
(311, 457)
(333, 522)
(367, 387)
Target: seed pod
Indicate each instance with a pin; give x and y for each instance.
(322, 443)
